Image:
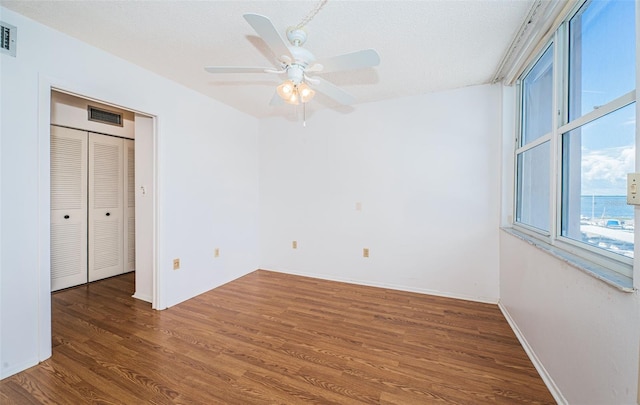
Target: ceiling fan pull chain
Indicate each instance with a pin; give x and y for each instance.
(304, 115)
(311, 14)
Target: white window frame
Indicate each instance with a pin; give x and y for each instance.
(546, 236)
(619, 264)
(548, 137)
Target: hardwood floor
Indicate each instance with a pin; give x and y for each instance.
(271, 338)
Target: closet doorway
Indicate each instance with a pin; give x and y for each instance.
(92, 191)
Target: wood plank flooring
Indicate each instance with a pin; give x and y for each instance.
(271, 338)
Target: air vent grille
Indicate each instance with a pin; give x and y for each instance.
(9, 38)
(106, 117)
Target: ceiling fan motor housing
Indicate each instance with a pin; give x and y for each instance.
(295, 73)
(302, 59)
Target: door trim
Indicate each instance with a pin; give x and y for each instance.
(91, 91)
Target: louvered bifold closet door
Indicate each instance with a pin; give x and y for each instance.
(68, 207)
(106, 241)
(130, 206)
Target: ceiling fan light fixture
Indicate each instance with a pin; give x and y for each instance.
(292, 99)
(286, 89)
(295, 93)
(305, 92)
(288, 92)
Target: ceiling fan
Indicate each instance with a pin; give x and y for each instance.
(296, 62)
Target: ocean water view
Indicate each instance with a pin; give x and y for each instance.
(605, 206)
(607, 223)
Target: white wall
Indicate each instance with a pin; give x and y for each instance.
(584, 332)
(426, 171)
(207, 192)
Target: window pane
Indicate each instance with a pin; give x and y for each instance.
(532, 207)
(595, 161)
(537, 98)
(602, 54)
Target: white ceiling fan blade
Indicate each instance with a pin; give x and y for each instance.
(264, 27)
(331, 90)
(349, 61)
(237, 69)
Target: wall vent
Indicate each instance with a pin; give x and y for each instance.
(9, 38)
(104, 116)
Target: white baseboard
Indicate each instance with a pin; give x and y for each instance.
(392, 287)
(143, 297)
(551, 385)
(8, 372)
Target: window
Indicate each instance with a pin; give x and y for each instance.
(534, 154)
(596, 159)
(579, 203)
(602, 55)
(537, 99)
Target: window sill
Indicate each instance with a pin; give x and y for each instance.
(603, 274)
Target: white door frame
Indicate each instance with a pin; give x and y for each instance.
(45, 86)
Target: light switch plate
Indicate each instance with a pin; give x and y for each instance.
(633, 188)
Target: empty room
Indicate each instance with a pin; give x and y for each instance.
(319, 201)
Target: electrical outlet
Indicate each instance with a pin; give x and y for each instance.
(216, 252)
(294, 244)
(176, 264)
(365, 252)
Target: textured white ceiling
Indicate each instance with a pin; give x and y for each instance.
(424, 45)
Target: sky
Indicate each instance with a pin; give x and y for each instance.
(608, 72)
